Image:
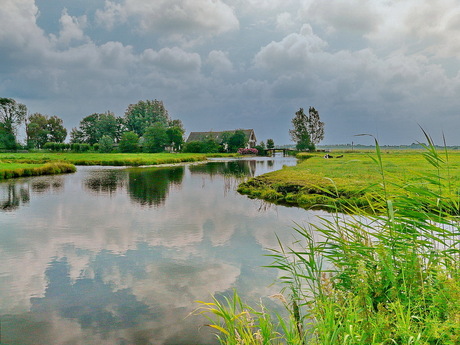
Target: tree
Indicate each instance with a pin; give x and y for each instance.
(237, 140)
(56, 130)
(93, 127)
(12, 114)
(270, 144)
(308, 129)
(41, 129)
(105, 144)
(315, 126)
(36, 130)
(129, 142)
(175, 137)
(143, 114)
(155, 138)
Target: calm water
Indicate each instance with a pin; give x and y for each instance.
(119, 256)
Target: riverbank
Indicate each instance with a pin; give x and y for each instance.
(44, 163)
(13, 170)
(348, 179)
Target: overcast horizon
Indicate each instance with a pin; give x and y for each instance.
(384, 68)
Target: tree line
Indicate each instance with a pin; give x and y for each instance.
(146, 126)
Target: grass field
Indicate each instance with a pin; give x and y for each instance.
(351, 180)
(31, 164)
(131, 159)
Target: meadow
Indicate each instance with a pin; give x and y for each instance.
(42, 163)
(352, 180)
(385, 274)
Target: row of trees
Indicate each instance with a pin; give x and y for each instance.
(145, 124)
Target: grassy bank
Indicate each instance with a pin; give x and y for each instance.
(389, 278)
(112, 159)
(352, 180)
(12, 170)
(32, 164)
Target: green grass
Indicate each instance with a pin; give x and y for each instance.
(352, 180)
(128, 159)
(13, 170)
(32, 164)
(387, 277)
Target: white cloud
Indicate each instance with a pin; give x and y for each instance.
(173, 60)
(71, 29)
(174, 18)
(342, 15)
(292, 54)
(219, 62)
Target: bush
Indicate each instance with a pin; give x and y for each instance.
(250, 151)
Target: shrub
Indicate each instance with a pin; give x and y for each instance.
(250, 151)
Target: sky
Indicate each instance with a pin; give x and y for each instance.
(378, 67)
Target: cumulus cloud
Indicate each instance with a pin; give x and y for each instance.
(173, 60)
(176, 18)
(72, 29)
(291, 54)
(219, 62)
(339, 15)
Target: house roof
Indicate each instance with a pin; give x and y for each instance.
(199, 136)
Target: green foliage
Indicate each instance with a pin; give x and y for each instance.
(143, 114)
(237, 140)
(261, 150)
(105, 144)
(56, 146)
(175, 137)
(7, 139)
(155, 138)
(389, 277)
(308, 129)
(41, 129)
(270, 144)
(129, 142)
(206, 146)
(12, 114)
(93, 127)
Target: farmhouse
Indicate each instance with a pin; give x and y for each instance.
(218, 136)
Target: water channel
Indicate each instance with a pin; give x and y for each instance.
(120, 255)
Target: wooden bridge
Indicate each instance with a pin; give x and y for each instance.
(272, 151)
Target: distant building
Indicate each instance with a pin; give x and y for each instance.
(218, 136)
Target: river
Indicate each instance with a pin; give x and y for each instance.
(121, 255)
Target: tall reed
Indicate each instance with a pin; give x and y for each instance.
(392, 277)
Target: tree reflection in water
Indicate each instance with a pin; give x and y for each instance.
(150, 187)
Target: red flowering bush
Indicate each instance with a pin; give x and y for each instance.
(250, 151)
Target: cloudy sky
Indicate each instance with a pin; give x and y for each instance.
(383, 67)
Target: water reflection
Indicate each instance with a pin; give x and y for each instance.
(149, 187)
(13, 195)
(237, 168)
(105, 181)
(118, 256)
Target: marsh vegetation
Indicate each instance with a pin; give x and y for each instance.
(387, 273)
